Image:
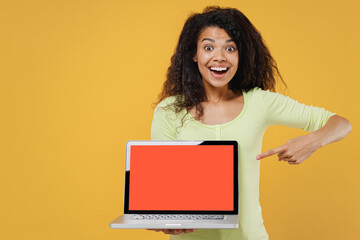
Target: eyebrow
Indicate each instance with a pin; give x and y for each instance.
(212, 40)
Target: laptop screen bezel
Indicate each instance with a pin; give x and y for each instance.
(178, 142)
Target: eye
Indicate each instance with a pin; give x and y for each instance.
(208, 48)
(230, 48)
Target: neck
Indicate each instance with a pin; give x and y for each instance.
(215, 95)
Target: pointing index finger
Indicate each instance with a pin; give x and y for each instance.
(269, 153)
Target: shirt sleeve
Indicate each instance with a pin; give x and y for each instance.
(163, 124)
(282, 110)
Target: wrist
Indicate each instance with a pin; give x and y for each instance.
(316, 139)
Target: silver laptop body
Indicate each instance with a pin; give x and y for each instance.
(180, 185)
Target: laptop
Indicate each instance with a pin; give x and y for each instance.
(180, 185)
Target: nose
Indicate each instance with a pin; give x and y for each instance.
(219, 55)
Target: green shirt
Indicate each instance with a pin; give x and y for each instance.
(261, 109)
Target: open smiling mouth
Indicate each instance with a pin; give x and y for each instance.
(218, 71)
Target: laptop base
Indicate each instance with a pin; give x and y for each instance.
(127, 222)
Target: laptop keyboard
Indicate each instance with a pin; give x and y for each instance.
(178, 217)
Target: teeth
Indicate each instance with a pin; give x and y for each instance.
(218, 68)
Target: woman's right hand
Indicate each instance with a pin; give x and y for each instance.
(172, 231)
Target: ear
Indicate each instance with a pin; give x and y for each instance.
(195, 59)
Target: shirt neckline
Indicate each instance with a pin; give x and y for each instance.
(223, 124)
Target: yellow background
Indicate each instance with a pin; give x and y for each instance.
(78, 79)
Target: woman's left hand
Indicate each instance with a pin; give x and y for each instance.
(294, 151)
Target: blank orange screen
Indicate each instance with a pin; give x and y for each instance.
(199, 177)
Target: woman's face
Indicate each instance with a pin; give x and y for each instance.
(217, 57)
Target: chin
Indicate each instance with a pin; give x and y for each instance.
(218, 84)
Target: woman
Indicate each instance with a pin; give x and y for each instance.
(217, 87)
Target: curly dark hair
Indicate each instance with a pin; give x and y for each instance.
(256, 65)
